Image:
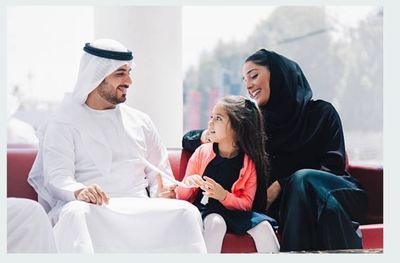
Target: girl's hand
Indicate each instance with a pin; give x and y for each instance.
(214, 189)
(194, 180)
(168, 192)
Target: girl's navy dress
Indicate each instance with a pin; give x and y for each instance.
(225, 172)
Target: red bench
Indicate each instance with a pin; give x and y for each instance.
(20, 160)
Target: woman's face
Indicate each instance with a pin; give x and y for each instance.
(256, 79)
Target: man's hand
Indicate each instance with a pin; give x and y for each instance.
(205, 137)
(92, 194)
(273, 192)
(168, 192)
(214, 189)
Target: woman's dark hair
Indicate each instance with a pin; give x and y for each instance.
(260, 58)
(248, 124)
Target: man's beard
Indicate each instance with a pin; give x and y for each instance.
(109, 93)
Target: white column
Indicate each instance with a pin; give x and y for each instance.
(154, 36)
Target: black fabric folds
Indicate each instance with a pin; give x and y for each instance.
(286, 112)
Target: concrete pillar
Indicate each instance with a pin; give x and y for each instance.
(154, 34)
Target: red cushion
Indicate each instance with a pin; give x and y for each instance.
(372, 236)
(19, 163)
(238, 244)
(371, 178)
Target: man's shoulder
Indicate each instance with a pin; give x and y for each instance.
(135, 117)
(54, 125)
(132, 112)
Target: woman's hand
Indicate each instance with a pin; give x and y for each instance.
(92, 194)
(194, 180)
(214, 189)
(273, 192)
(205, 137)
(168, 192)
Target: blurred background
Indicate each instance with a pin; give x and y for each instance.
(340, 50)
(188, 57)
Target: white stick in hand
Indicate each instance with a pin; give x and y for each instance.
(165, 175)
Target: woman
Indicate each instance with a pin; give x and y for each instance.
(315, 201)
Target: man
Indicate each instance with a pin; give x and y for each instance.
(92, 169)
(28, 227)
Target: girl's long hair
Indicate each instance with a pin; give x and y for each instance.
(248, 124)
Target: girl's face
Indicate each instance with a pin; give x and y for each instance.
(219, 126)
(256, 79)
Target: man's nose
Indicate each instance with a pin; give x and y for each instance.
(128, 80)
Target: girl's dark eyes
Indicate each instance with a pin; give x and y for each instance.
(216, 118)
(254, 76)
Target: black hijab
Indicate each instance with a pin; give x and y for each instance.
(286, 111)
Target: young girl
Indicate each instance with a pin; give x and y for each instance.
(232, 175)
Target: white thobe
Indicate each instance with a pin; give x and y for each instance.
(132, 222)
(28, 228)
